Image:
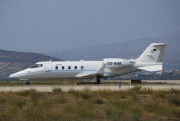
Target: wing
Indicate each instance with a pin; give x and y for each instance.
(87, 74)
(92, 73)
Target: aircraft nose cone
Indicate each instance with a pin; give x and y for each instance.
(13, 76)
(21, 74)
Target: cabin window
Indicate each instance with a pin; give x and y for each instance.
(82, 67)
(36, 66)
(62, 67)
(69, 67)
(109, 63)
(132, 62)
(154, 49)
(56, 67)
(114, 63)
(75, 67)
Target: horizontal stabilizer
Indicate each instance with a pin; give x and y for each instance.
(152, 68)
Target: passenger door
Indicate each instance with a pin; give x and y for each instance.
(48, 67)
(48, 70)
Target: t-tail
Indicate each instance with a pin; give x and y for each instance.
(152, 58)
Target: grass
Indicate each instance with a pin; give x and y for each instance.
(85, 105)
(57, 89)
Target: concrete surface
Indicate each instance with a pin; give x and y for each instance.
(114, 87)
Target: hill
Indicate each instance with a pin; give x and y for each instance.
(128, 49)
(11, 62)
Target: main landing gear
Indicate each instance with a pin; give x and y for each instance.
(96, 80)
(28, 83)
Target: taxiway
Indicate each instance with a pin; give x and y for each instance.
(65, 88)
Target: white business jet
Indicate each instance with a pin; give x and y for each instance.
(150, 60)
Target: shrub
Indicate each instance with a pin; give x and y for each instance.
(85, 95)
(62, 100)
(174, 100)
(135, 113)
(172, 90)
(151, 106)
(19, 103)
(160, 94)
(25, 92)
(57, 89)
(98, 101)
(2, 100)
(74, 92)
(134, 91)
(136, 88)
(146, 91)
(104, 92)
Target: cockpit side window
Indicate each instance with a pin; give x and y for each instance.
(36, 66)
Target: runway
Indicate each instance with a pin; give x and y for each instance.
(65, 88)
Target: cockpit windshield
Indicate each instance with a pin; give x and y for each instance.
(36, 66)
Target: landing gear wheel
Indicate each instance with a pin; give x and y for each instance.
(96, 80)
(27, 83)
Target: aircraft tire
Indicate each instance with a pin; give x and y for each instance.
(27, 83)
(98, 81)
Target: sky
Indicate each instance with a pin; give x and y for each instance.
(56, 25)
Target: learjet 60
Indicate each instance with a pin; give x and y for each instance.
(150, 60)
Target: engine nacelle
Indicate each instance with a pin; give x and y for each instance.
(116, 63)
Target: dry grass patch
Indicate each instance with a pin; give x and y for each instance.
(86, 105)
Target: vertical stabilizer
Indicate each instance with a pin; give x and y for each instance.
(152, 58)
(154, 53)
